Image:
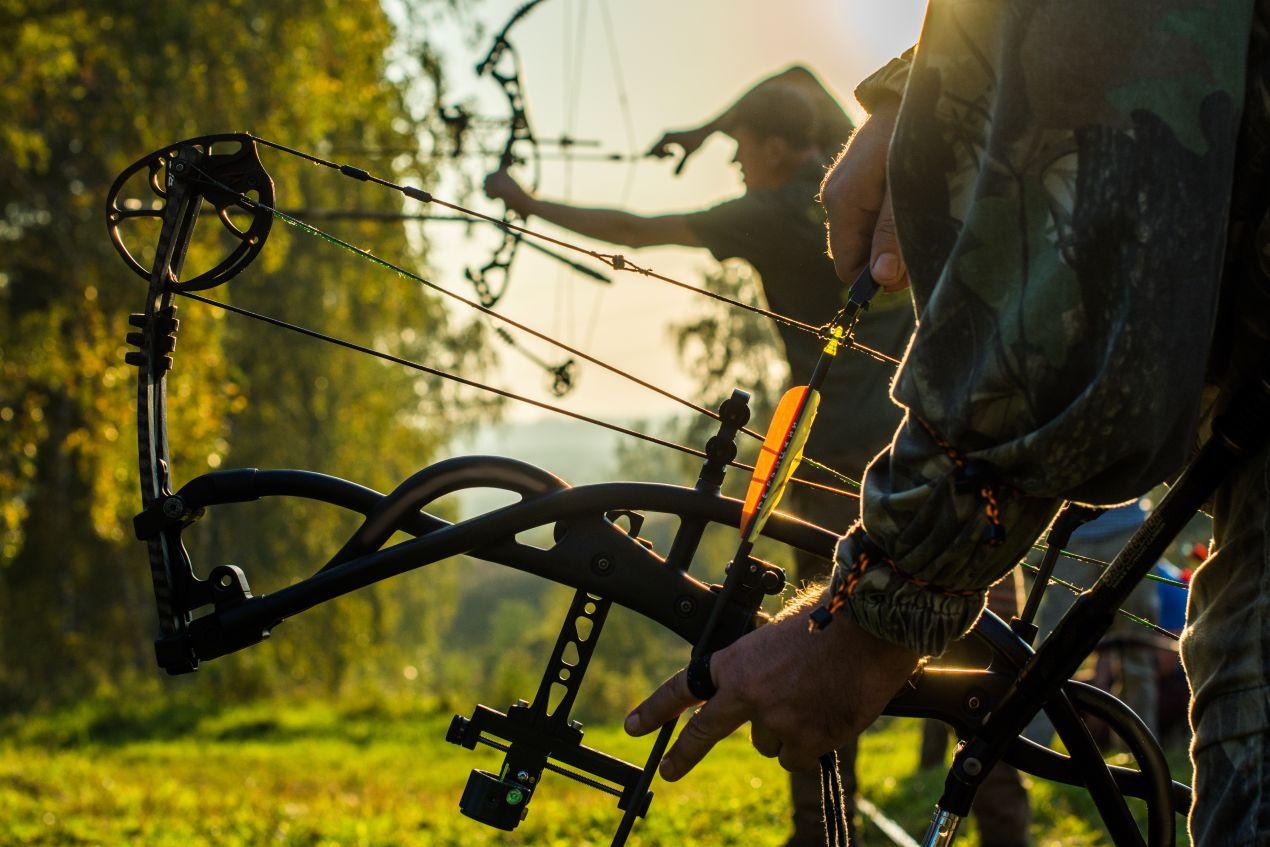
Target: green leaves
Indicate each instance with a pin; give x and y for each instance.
(90, 88)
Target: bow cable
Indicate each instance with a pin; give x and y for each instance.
(308, 228)
(471, 383)
(1141, 621)
(616, 262)
(652, 439)
(613, 260)
(845, 340)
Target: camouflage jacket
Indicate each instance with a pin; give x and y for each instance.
(1061, 173)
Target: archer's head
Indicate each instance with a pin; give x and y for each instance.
(773, 127)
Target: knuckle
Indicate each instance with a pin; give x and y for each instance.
(678, 687)
(696, 730)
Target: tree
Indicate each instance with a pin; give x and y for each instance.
(91, 87)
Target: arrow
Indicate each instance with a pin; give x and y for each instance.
(779, 457)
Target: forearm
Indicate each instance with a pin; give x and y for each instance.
(612, 225)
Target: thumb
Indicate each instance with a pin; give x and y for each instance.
(658, 150)
(683, 160)
(885, 259)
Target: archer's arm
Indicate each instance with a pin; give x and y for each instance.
(612, 225)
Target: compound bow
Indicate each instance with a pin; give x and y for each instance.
(502, 65)
(202, 617)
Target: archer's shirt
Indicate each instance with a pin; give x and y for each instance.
(781, 233)
(1062, 181)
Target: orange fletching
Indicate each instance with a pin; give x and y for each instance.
(786, 435)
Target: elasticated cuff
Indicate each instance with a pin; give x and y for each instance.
(887, 82)
(892, 608)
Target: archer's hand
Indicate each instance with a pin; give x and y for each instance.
(500, 185)
(805, 693)
(858, 206)
(687, 140)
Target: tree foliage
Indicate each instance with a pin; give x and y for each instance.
(90, 87)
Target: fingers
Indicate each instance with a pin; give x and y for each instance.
(766, 742)
(798, 759)
(712, 723)
(853, 194)
(687, 140)
(853, 205)
(885, 259)
(661, 150)
(662, 706)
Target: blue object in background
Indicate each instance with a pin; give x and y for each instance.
(1117, 521)
(1172, 598)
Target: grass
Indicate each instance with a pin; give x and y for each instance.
(374, 777)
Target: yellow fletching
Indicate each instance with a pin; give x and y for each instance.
(835, 338)
(783, 446)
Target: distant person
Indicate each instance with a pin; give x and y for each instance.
(786, 129)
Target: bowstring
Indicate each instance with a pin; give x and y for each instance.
(1099, 563)
(1077, 590)
(632, 152)
(811, 462)
(623, 100)
(250, 204)
(310, 229)
(471, 383)
(615, 261)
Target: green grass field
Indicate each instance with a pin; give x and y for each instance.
(318, 776)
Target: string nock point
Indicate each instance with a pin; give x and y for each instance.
(618, 261)
(833, 340)
(417, 194)
(355, 172)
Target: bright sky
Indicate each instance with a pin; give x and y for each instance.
(682, 62)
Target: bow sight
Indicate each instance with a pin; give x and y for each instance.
(596, 549)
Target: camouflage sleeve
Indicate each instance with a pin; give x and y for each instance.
(886, 82)
(1061, 179)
